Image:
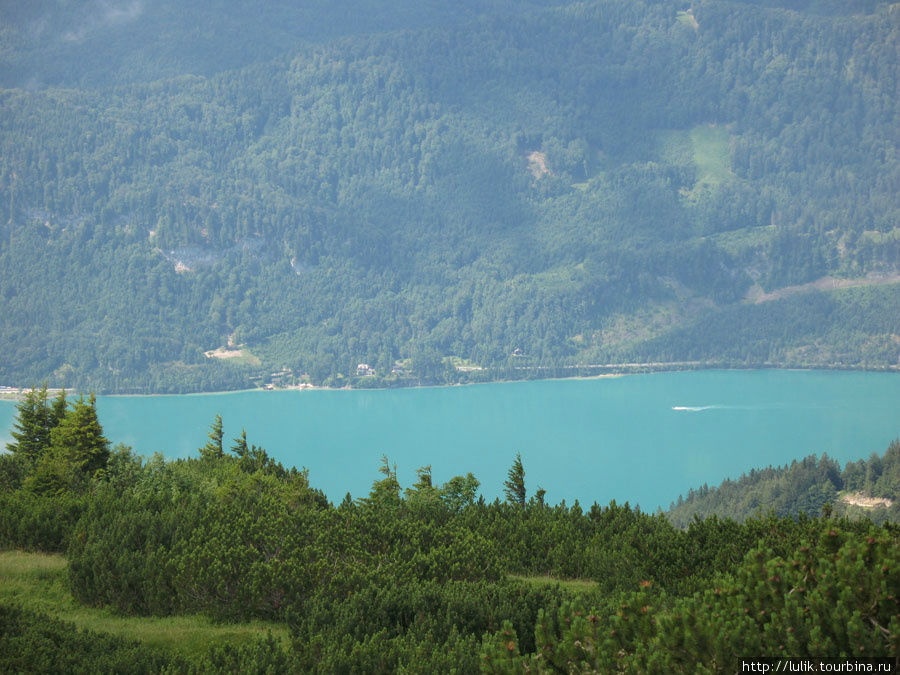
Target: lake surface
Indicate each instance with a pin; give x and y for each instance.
(639, 438)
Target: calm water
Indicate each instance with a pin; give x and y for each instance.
(641, 438)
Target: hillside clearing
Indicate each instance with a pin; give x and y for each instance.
(757, 295)
(859, 499)
(243, 356)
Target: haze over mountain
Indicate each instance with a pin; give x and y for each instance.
(434, 189)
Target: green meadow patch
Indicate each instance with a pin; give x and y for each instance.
(712, 156)
(574, 585)
(37, 581)
(687, 18)
(737, 241)
(706, 147)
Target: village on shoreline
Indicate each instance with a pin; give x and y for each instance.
(367, 378)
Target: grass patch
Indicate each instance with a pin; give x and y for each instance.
(712, 155)
(574, 585)
(247, 359)
(37, 581)
(462, 364)
(706, 147)
(736, 241)
(687, 18)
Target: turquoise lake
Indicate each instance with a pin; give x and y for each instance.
(638, 438)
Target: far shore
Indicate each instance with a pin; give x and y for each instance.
(9, 393)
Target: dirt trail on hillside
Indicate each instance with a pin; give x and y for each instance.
(222, 353)
(858, 499)
(757, 295)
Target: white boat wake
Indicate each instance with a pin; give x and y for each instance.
(695, 408)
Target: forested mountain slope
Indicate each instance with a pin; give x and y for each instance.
(511, 187)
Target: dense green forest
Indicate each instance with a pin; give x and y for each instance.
(870, 487)
(424, 578)
(442, 192)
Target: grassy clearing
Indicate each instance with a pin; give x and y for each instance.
(706, 147)
(461, 364)
(687, 18)
(712, 155)
(37, 581)
(240, 357)
(574, 585)
(248, 359)
(736, 241)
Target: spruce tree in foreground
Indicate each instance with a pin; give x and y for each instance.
(78, 450)
(514, 486)
(213, 447)
(79, 437)
(35, 420)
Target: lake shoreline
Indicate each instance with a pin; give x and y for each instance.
(11, 393)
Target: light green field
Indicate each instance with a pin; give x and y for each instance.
(462, 364)
(247, 359)
(575, 585)
(706, 147)
(712, 155)
(748, 237)
(37, 581)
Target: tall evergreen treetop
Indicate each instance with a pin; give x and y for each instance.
(34, 422)
(59, 407)
(423, 490)
(79, 437)
(387, 490)
(213, 447)
(514, 486)
(241, 448)
(76, 452)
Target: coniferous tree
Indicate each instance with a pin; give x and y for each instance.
(79, 437)
(213, 447)
(59, 407)
(34, 422)
(240, 447)
(424, 482)
(387, 490)
(423, 491)
(78, 450)
(514, 486)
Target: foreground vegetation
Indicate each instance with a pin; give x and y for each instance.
(430, 577)
(38, 581)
